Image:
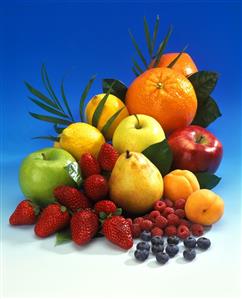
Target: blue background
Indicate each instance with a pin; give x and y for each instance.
(82, 39)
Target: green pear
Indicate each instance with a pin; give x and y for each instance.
(135, 183)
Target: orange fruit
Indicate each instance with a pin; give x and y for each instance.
(184, 65)
(164, 94)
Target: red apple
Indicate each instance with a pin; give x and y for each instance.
(196, 149)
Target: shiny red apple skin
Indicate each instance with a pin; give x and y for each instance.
(196, 149)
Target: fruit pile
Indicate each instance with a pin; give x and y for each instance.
(139, 163)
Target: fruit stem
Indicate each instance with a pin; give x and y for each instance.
(200, 139)
(44, 156)
(128, 154)
(138, 126)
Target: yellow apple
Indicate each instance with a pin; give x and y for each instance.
(136, 133)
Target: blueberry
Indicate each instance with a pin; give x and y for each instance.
(156, 240)
(189, 254)
(173, 240)
(162, 257)
(145, 236)
(190, 242)
(141, 255)
(203, 243)
(172, 250)
(157, 248)
(143, 246)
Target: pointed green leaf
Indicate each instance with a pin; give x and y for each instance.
(84, 95)
(47, 108)
(74, 171)
(135, 71)
(160, 155)
(137, 67)
(207, 180)
(40, 95)
(118, 212)
(63, 236)
(156, 28)
(50, 119)
(148, 37)
(57, 129)
(102, 215)
(119, 89)
(65, 100)
(138, 50)
(52, 138)
(110, 121)
(97, 113)
(173, 62)
(162, 47)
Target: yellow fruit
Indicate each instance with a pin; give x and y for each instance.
(80, 138)
(112, 105)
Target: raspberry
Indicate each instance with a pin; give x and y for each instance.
(138, 220)
(161, 222)
(168, 202)
(185, 222)
(156, 231)
(170, 230)
(180, 203)
(130, 222)
(136, 230)
(153, 215)
(168, 211)
(173, 219)
(197, 229)
(159, 205)
(180, 213)
(183, 232)
(146, 225)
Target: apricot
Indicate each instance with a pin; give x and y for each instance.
(204, 207)
(180, 184)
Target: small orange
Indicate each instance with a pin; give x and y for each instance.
(164, 94)
(184, 65)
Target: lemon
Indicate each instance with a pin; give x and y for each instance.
(79, 138)
(112, 105)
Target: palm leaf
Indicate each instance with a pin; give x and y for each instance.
(65, 100)
(162, 47)
(110, 121)
(148, 37)
(52, 138)
(171, 64)
(84, 95)
(138, 49)
(57, 129)
(138, 68)
(50, 119)
(156, 28)
(135, 71)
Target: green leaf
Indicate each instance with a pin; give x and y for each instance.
(173, 62)
(102, 216)
(52, 138)
(207, 180)
(119, 89)
(110, 121)
(135, 71)
(57, 129)
(148, 37)
(118, 212)
(156, 28)
(74, 171)
(160, 155)
(47, 108)
(207, 112)
(162, 47)
(65, 100)
(50, 119)
(98, 111)
(84, 95)
(40, 95)
(63, 236)
(204, 83)
(138, 50)
(137, 67)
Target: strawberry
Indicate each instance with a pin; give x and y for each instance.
(117, 230)
(25, 213)
(84, 226)
(105, 206)
(53, 218)
(89, 165)
(107, 157)
(95, 187)
(71, 198)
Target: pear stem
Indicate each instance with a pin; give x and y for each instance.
(128, 154)
(138, 126)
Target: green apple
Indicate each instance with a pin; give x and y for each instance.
(137, 132)
(42, 171)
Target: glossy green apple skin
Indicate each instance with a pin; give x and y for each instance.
(42, 171)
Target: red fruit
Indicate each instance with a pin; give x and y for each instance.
(107, 157)
(173, 219)
(138, 220)
(130, 222)
(170, 230)
(105, 206)
(159, 205)
(180, 213)
(146, 225)
(96, 187)
(197, 229)
(116, 229)
(168, 211)
(136, 230)
(153, 215)
(183, 231)
(180, 203)
(84, 226)
(161, 222)
(71, 198)
(185, 222)
(168, 202)
(156, 231)
(25, 213)
(89, 165)
(52, 219)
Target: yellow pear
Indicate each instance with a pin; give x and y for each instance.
(135, 183)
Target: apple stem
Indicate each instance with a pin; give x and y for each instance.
(138, 126)
(200, 139)
(44, 156)
(128, 154)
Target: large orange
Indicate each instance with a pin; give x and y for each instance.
(184, 65)
(164, 94)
